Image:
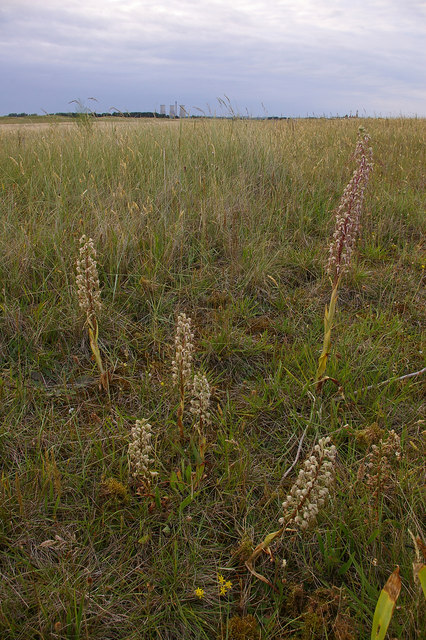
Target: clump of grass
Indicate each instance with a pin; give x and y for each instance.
(229, 219)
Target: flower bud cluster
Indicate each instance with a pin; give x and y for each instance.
(311, 489)
(201, 399)
(87, 280)
(349, 211)
(140, 450)
(182, 364)
(380, 462)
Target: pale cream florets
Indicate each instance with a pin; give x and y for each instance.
(140, 448)
(349, 211)
(87, 280)
(311, 489)
(182, 364)
(201, 399)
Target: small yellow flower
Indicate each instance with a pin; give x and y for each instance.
(199, 593)
(228, 584)
(222, 591)
(220, 578)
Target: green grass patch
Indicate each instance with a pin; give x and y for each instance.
(229, 222)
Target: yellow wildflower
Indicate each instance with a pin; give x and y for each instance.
(222, 591)
(228, 584)
(220, 578)
(199, 593)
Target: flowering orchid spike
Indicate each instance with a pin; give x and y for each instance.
(348, 215)
(87, 280)
(140, 448)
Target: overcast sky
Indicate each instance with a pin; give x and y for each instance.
(279, 57)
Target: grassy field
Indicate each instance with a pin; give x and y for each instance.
(229, 222)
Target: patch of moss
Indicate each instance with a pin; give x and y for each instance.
(295, 599)
(244, 549)
(313, 626)
(326, 617)
(112, 489)
(242, 628)
(369, 435)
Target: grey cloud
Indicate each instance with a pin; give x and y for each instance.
(290, 54)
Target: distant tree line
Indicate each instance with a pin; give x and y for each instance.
(20, 115)
(93, 114)
(152, 114)
(126, 114)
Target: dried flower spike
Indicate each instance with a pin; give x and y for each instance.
(87, 280)
(140, 448)
(349, 211)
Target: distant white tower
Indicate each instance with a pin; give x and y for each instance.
(172, 111)
(162, 109)
(182, 111)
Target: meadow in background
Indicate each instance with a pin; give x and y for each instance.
(230, 223)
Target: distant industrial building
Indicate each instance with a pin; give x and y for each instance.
(173, 110)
